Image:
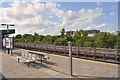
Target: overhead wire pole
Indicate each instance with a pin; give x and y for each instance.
(7, 35)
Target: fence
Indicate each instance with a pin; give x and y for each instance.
(96, 53)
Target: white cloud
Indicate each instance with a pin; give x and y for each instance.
(114, 6)
(82, 11)
(58, 5)
(103, 27)
(61, 19)
(31, 17)
(112, 13)
(51, 5)
(98, 3)
(20, 10)
(74, 19)
(51, 16)
(96, 26)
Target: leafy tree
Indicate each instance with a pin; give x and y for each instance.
(40, 38)
(80, 38)
(18, 36)
(36, 35)
(69, 38)
(26, 35)
(77, 35)
(49, 39)
(83, 33)
(117, 43)
(62, 32)
(30, 39)
(60, 41)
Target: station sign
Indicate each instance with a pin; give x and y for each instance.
(8, 43)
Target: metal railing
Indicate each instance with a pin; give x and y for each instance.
(86, 52)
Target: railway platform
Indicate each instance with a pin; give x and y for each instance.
(56, 67)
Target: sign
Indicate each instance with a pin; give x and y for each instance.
(4, 42)
(11, 43)
(8, 43)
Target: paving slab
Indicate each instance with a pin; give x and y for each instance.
(12, 69)
(57, 67)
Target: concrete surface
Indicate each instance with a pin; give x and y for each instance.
(57, 67)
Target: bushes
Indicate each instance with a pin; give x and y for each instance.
(117, 43)
(60, 41)
(80, 38)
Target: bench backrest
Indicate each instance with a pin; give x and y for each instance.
(37, 55)
(29, 56)
(33, 56)
(26, 55)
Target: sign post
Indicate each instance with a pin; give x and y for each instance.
(70, 56)
(9, 44)
(4, 44)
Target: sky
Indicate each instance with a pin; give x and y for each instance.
(48, 18)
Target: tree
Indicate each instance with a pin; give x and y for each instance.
(60, 41)
(49, 39)
(40, 38)
(77, 35)
(36, 35)
(62, 32)
(117, 43)
(84, 33)
(30, 39)
(69, 38)
(80, 37)
(18, 36)
(101, 40)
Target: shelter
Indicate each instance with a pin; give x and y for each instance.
(4, 33)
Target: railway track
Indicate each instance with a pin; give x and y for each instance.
(92, 53)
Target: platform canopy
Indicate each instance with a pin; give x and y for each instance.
(4, 32)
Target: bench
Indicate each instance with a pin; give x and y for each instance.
(31, 57)
(27, 58)
(40, 57)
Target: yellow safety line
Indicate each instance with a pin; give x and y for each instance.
(89, 61)
(84, 60)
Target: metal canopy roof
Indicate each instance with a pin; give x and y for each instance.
(11, 31)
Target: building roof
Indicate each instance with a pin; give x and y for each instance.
(70, 31)
(92, 31)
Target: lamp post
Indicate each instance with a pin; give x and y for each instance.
(7, 35)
